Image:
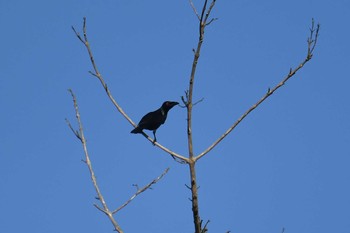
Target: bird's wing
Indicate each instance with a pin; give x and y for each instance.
(152, 120)
(146, 118)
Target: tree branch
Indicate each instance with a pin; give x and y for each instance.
(188, 102)
(205, 229)
(311, 42)
(139, 191)
(98, 75)
(80, 135)
(195, 10)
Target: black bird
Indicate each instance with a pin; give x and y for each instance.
(153, 120)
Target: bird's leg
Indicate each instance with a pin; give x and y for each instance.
(155, 138)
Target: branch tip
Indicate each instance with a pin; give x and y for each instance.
(312, 39)
(212, 20)
(198, 101)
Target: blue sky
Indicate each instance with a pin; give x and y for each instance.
(286, 165)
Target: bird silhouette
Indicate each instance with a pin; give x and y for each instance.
(153, 120)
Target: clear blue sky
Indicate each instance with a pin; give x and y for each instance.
(286, 165)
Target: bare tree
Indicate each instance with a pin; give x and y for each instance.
(204, 20)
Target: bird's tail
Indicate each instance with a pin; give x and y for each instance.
(136, 130)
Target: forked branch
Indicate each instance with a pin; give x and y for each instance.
(98, 75)
(311, 44)
(80, 135)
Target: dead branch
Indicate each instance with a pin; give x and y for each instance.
(188, 102)
(98, 75)
(139, 191)
(311, 43)
(194, 10)
(80, 135)
(189, 93)
(312, 40)
(205, 229)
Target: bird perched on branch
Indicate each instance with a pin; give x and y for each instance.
(153, 120)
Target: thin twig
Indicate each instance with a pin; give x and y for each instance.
(80, 134)
(98, 75)
(203, 10)
(205, 229)
(212, 20)
(312, 40)
(198, 101)
(194, 9)
(100, 209)
(139, 191)
(208, 12)
(184, 101)
(76, 133)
